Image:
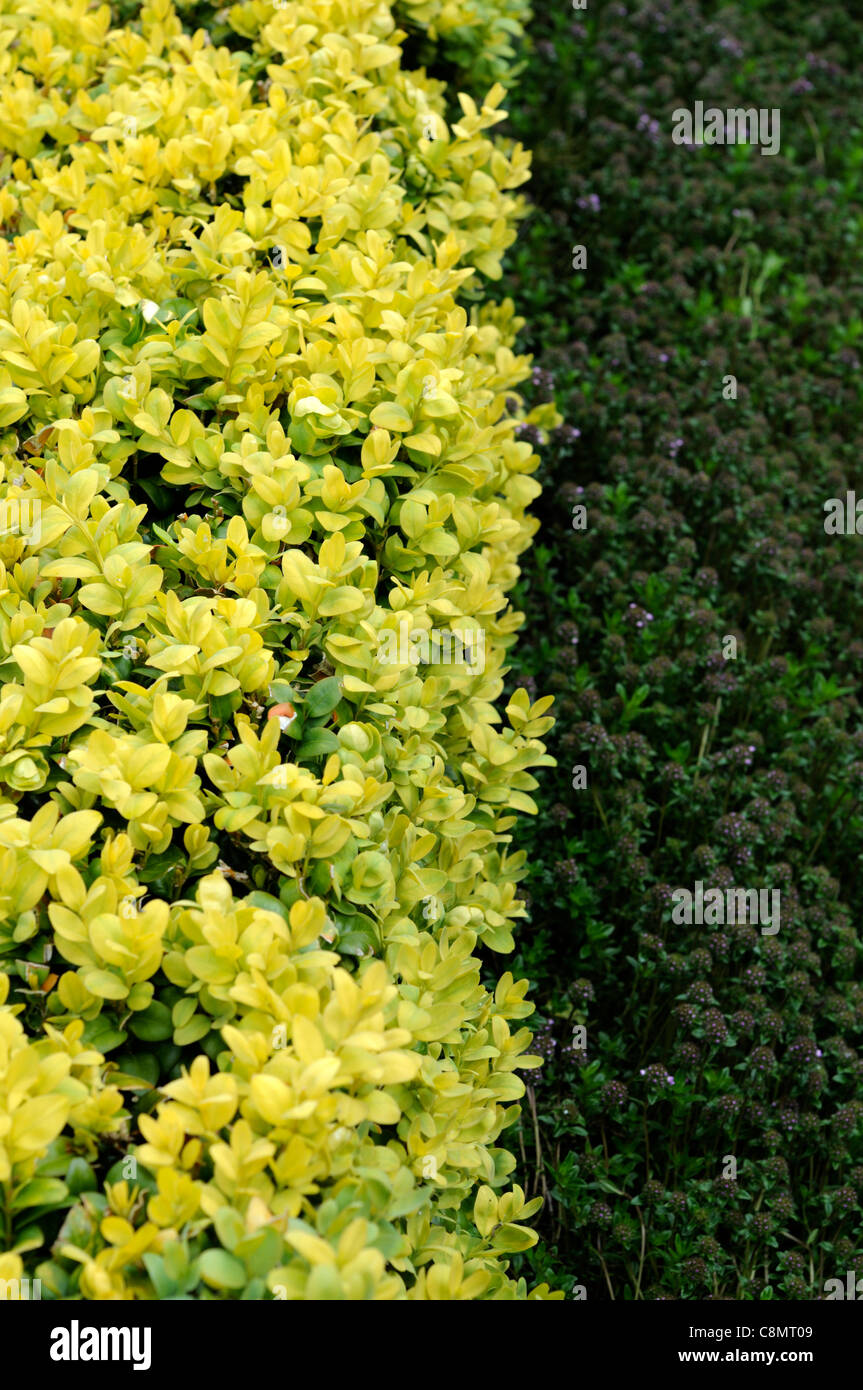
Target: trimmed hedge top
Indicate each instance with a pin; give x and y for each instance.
(249, 844)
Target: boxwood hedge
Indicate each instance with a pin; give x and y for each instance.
(254, 427)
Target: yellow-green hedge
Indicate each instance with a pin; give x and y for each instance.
(253, 417)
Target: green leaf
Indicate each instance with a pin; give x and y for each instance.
(268, 903)
(220, 1270)
(260, 1251)
(80, 1176)
(193, 1031)
(103, 983)
(136, 330)
(176, 1258)
(355, 943)
(55, 1160)
(390, 416)
(137, 1065)
(510, 1239)
(154, 1024)
(485, 1211)
(183, 1011)
(54, 1277)
(323, 697)
(100, 1033)
(40, 1192)
(318, 743)
(158, 865)
(230, 1227)
(30, 1239)
(164, 1285)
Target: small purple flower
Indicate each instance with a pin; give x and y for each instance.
(648, 126)
(656, 1075)
(730, 45)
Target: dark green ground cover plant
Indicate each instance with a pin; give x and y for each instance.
(704, 521)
